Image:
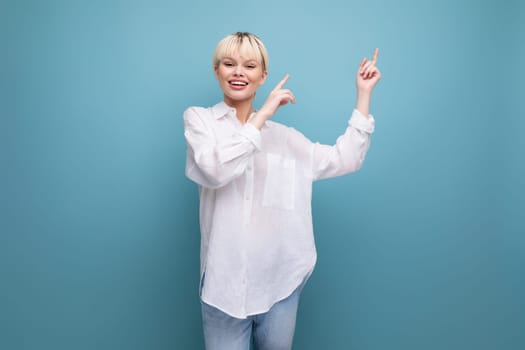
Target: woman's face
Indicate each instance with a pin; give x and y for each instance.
(239, 78)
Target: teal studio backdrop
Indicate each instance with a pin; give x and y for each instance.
(423, 248)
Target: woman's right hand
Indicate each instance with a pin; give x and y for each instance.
(278, 97)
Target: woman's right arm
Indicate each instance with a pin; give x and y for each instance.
(214, 163)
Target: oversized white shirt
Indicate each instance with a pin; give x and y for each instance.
(255, 186)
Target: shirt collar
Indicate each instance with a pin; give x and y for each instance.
(221, 109)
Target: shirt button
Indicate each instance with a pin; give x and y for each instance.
(249, 167)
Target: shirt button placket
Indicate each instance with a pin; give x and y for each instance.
(248, 191)
(244, 282)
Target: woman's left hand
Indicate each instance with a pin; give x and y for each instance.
(368, 74)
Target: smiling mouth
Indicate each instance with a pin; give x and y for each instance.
(237, 83)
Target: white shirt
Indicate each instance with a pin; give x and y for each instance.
(257, 243)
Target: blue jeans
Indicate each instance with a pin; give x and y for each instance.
(272, 330)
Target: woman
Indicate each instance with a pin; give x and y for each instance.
(255, 183)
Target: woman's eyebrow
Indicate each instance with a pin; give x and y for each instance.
(250, 60)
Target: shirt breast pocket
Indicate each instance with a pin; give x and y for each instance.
(279, 185)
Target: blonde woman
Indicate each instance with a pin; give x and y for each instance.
(255, 184)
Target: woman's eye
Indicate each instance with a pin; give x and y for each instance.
(228, 64)
(251, 66)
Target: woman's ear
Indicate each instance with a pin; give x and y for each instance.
(264, 76)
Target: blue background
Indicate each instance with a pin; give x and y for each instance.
(423, 248)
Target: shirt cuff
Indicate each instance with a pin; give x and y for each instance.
(360, 122)
(252, 134)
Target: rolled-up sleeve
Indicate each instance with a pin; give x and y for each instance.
(213, 162)
(349, 151)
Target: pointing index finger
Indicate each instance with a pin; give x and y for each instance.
(282, 82)
(376, 53)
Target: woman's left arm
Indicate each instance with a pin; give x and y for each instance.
(348, 153)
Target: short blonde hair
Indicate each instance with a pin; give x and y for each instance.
(248, 46)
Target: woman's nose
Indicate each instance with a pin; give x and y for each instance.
(238, 70)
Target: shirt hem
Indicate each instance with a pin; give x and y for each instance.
(300, 284)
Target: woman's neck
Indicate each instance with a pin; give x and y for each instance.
(243, 109)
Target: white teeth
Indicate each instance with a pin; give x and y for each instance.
(240, 83)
